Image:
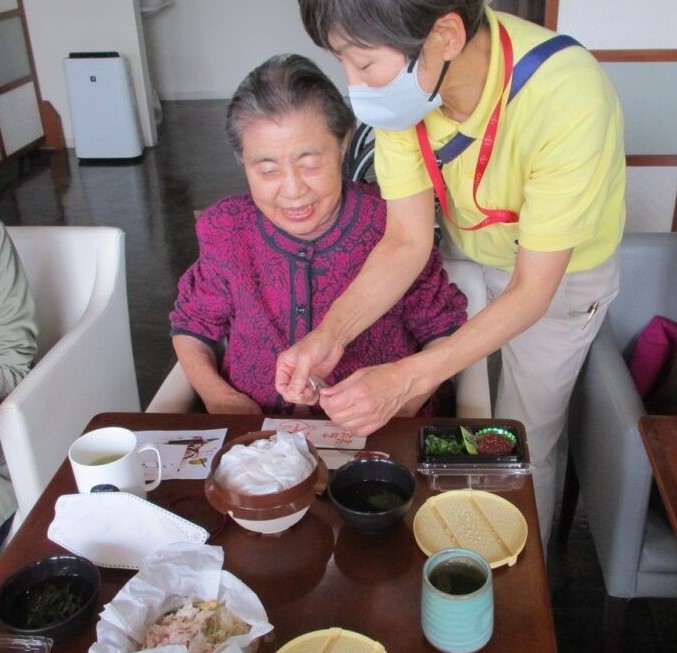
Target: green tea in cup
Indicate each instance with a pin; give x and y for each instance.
(457, 577)
(104, 460)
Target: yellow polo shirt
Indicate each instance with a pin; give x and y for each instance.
(558, 160)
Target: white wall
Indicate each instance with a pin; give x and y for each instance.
(58, 28)
(202, 49)
(620, 24)
(647, 90)
(650, 198)
(648, 94)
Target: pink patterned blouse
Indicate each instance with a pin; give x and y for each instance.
(264, 289)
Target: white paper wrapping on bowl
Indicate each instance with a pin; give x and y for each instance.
(165, 579)
(117, 529)
(267, 465)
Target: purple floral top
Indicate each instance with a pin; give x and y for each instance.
(264, 290)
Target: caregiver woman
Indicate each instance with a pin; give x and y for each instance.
(536, 197)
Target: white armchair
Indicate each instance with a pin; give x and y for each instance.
(473, 398)
(176, 395)
(84, 364)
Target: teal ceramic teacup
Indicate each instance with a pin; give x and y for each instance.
(457, 601)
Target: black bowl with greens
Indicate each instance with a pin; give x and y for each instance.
(52, 597)
(372, 495)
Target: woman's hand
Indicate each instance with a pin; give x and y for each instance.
(391, 267)
(367, 399)
(233, 403)
(317, 354)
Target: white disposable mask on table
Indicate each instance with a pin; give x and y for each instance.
(110, 456)
(397, 105)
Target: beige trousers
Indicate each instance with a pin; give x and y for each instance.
(540, 367)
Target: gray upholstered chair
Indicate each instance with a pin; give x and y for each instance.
(635, 546)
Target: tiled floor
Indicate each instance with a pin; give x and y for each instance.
(153, 201)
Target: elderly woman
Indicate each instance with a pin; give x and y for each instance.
(272, 262)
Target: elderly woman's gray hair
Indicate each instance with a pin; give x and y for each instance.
(279, 86)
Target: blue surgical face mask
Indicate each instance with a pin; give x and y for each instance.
(397, 105)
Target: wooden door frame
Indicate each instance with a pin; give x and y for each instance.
(21, 81)
(550, 14)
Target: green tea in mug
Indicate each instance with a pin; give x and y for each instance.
(110, 458)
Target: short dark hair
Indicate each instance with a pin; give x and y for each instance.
(400, 24)
(282, 84)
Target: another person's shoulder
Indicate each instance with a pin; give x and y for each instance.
(4, 236)
(8, 254)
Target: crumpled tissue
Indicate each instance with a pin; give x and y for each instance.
(266, 466)
(117, 529)
(165, 580)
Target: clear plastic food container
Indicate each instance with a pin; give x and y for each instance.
(487, 454)
(25, 644)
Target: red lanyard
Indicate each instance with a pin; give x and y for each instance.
(486, 148)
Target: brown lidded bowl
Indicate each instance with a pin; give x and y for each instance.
(266, 513)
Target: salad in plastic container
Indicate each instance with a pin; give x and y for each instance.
(489, 454)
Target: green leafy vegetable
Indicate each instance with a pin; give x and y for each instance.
(53, 601)
(384, 500)
(469, 440)
(437, 446)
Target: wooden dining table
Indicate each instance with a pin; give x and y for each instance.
(320, 573)
(659, 434)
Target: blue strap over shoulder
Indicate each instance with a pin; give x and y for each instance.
(521, 73)
(530, 62)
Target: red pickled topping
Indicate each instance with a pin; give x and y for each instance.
(493, 444)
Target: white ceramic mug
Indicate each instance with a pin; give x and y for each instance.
(110, 456)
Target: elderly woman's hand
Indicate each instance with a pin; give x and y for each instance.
(317, 354)
(367, 399)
